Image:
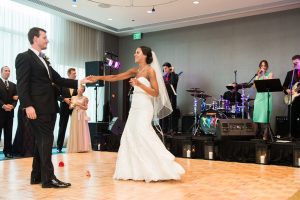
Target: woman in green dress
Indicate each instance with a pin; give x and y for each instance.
(260, 113)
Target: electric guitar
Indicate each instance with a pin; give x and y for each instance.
(288, 99)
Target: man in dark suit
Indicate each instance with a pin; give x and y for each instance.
(36, 86)
(289, 82)
(65, 111)
(170, 123)
(8, 101)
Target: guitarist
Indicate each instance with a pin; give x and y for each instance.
(170, 123)
(289, 82)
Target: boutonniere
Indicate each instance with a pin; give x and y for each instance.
(46, 58)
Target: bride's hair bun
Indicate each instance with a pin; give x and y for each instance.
(147, 52)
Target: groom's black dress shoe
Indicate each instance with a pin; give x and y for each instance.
(63, 183)
(34, 181)
(58, 150)
(8, 155)
(54, 184)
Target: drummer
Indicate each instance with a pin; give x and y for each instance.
(232, 94)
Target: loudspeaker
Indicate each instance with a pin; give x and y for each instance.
(94, 68)
(97, 131)
(187, 122)
(282, 126)
(235, 128)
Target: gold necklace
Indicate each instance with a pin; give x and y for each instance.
(141, 70)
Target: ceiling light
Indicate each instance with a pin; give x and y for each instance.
(74, 3)
(109, 19)
(151, 11)
(196, 2)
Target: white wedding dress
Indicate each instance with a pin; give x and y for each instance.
(142, 155)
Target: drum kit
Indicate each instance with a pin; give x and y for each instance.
(206, 116)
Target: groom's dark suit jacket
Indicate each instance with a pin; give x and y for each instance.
(35, 88)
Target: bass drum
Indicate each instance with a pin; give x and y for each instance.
(209, 121)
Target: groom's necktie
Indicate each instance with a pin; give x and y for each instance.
(6, 84)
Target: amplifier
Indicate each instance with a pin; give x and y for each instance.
(282, 126)
(187, 122)
(235, 128)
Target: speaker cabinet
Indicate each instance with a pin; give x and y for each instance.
(187, 122)
(98, 131)
(282, 126)
(235, 128)
(95, 68)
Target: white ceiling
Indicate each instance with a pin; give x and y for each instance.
(129, 16)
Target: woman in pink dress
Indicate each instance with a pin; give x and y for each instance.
(79, 137)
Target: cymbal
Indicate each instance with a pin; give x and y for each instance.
(203, 96)
(244, 85)
(195, 90)
(238, 86)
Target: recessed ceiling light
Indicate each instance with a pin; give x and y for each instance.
(109, 19)
(74, 3)
(151, 11)
(196, 2)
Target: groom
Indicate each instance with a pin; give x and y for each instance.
(36, 85)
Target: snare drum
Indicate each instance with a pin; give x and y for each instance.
(209, 121)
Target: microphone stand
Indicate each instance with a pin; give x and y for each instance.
(248, 104)
(96, 100)
(252, 79)
(235, 95)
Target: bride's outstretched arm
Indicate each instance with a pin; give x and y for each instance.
(122, 76)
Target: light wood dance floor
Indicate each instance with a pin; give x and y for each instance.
(211, 180)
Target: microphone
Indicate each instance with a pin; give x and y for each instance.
(260, 72)
(130, 91)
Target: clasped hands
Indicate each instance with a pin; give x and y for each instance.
(8, 107)
(91, 79)
(30, 111)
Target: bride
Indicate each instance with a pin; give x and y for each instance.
(142, 155)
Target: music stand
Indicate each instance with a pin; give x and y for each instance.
(269, 85)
